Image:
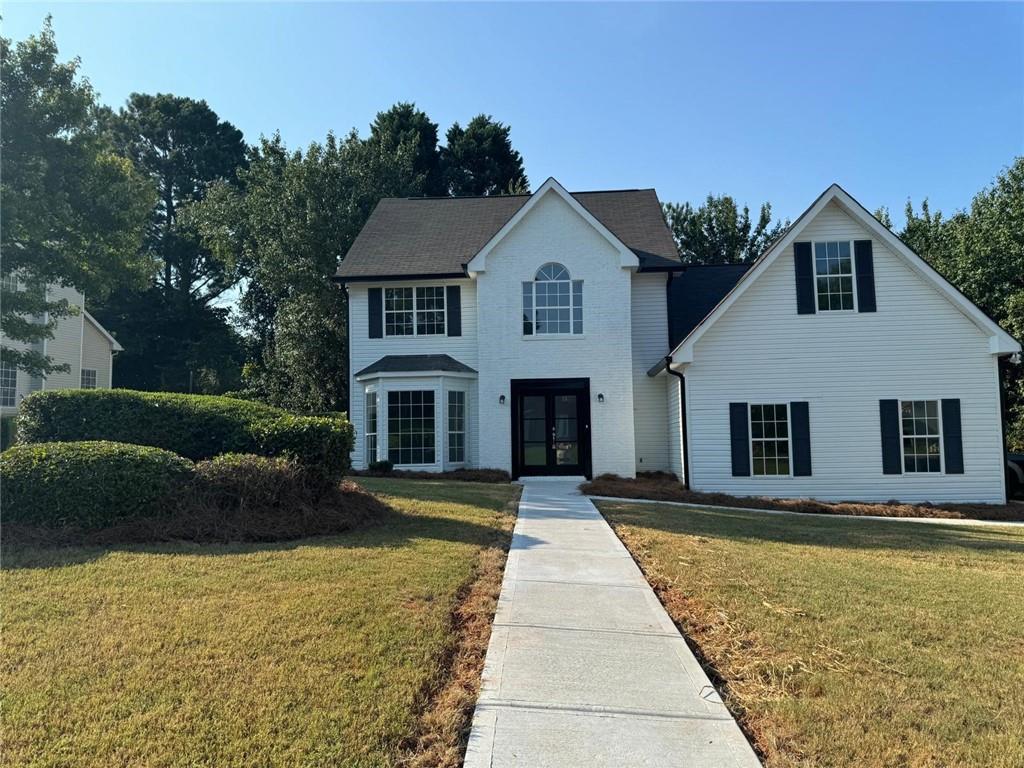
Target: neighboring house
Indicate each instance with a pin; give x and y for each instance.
(79, 341)
(558, 333)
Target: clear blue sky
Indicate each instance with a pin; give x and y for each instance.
(763, 101)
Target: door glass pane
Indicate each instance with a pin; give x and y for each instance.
(565, 406)
(567, 453)
(533, 407)
(535, 454)
(533, 431)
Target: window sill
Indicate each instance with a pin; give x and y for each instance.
(553, 336)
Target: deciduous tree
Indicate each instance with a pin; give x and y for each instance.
(74, 212)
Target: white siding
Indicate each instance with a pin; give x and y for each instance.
(364, 351)
(553, 231)
(96, 354)
(675, 427)
(917, 345)
(650, 344)
(66, 344)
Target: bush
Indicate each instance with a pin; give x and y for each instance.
(254, 498)
(88, 484)
(382, 467)
(315, 441)
(195, 426)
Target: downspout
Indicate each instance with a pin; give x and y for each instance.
(682, 420)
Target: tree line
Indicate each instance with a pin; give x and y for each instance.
(164, 217)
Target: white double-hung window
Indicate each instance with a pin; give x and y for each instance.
(414, 311)
(833, 275)
(769, 439)
(921, 435)
(552, 303)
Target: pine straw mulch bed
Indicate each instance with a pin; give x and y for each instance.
(658, 486)
(446, 711)
(274, 509)
(462, 475)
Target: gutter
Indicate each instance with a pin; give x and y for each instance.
(682, 420)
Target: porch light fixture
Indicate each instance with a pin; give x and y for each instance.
(600, 397)
(501, 399)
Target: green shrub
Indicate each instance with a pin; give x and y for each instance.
(233, 497)
(195, 426)
(316, 441)
(380, 467)
(88, 484)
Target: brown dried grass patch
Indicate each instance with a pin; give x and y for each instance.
(447, 709)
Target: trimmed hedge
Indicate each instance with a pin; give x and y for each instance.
(89, 484)
(103, 493)
(195, 426)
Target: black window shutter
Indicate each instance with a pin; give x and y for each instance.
(375, 307)
(804, 278)
(800, 428)
(453, 305)
(889, 414)
(739, 438)
(864, 265)
(952, 437)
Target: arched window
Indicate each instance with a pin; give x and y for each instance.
(552, 302)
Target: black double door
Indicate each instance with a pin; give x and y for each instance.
(551, 427)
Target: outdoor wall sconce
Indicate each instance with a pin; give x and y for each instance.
(600, 397)
(501, 399)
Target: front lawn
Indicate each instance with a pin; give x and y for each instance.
(321, 651)
(848, 642)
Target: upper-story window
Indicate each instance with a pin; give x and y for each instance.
(552, 302)
(414, 311)
(8, 385)
(9, 282)
(833, 275)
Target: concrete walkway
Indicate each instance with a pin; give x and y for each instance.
(584, 667)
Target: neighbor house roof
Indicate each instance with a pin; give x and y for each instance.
(416, 364)
(694, 293)
(437, 236)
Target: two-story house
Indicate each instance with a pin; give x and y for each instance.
(79, 342)
(558, 333)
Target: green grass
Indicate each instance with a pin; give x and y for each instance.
(315, 652)
(849, 642)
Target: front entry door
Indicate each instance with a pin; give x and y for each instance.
(551, 427)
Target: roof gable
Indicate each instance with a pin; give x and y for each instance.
(437, 237)
(1000, 342)
(627, 258)
(103, 332)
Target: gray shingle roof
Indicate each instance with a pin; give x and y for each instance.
(693, 294)
(415, 364)
(437, 236)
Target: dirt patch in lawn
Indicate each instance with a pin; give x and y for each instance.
(447, 711)
(658, 486)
